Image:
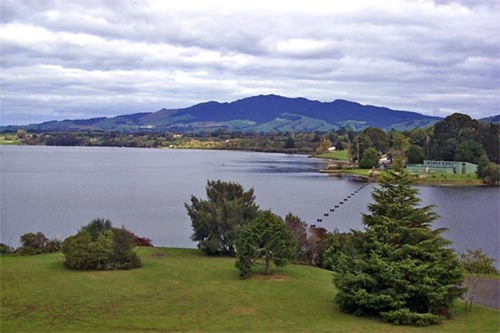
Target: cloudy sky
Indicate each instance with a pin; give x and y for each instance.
(81, 59)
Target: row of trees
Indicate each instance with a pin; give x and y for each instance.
(398, 268)
(229, 222)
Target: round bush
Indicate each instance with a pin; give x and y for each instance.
(100, 246)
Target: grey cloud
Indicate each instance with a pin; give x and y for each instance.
(423, 56)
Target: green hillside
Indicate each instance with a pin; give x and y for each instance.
(181, 290)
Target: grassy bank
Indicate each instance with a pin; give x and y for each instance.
(9, 139)
(339, 155)
(181, 290)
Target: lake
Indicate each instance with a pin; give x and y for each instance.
(56, 190)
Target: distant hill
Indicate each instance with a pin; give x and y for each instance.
(493, 119)
(263, 113)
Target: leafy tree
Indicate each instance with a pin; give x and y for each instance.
(378, 138)
(399, 145)
(100, 246)
(477, 262)
(359, 145)
(340, 243)
(402, 271)
(487, 171)
(415, 154)
(217, 220)
(266, 237)
(323, 147)
(298, 228)
(37, 243)
(450, 133)
(491, 174)
(289, 143)
(370, 159)
(490, 140)
(469, 151)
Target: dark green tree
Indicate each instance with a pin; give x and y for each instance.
(370, 159)
(298, 228)
(469, 151)
(266, 237)
(217, 220)
(450, 132)
(379, 139)
(491, 174)
(360, 143)
(487, 171)
(490, 140)
(402, 271)
(289, 143)
(415, 154)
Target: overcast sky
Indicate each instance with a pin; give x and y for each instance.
(81, 59)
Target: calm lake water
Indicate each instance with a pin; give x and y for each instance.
(56, 190)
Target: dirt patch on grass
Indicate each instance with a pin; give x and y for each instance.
(157, 255)
(244, 311)
(270, 277)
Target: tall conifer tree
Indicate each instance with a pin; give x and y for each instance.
(403, 271)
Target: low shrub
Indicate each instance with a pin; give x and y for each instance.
(407, 317)
(100, 246)
(140, 241)
(37, 244)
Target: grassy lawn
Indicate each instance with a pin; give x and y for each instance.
(9, 139)
(341, 155)
(181, 290)
(449, 178)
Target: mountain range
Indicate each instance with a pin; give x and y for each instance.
(263, 113)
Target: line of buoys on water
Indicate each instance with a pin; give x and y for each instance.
(341, 203)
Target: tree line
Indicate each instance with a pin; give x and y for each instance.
(456, 137)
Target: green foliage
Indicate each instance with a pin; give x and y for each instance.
(339, 244)
(370, 159)
(415, 154)
(378, 138)
(491, 174)
(5, 249)
(265, 237)
(289, 143)
(487, 171)
(477, 262)
(407, 317)
(217, 220)
(97, 227)
(32, 243)
(402, 271)
(323, 147)
(100, 246)
(37, 243)
(83, 253)
(469, 151)
(298, 228)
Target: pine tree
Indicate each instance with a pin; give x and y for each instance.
(403, 271)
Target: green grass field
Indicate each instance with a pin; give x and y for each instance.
(182, 290)
(7, 139)
(341, 155)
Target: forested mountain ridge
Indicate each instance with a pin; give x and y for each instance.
(263, 113)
